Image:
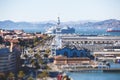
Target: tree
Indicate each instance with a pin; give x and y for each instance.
(30, 51)
(47, 51)
(37, 66)
(22, 44)
(46, 55)
(39, 76)
(11, 76)
(30, 78)
(21, 75)
(44, 74)
(36, 55)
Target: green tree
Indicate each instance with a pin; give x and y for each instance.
(46, 55)
(21, 74)
(47, 51)
(22, 44)
(30, 78)
(42, 75)
(36, 55)
(11, 76)
(36, 39)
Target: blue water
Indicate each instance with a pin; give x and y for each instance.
(85, 31)
(95, 76)
(81, 31)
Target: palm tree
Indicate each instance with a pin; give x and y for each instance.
(30, 51)
(47, 51)
(32, 62)
(21, 75)
(44, 74)
(39, 76)
(11, 76)
(36, 55)
(30, 78)
(22, 44)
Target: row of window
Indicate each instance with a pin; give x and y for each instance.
(91, 42)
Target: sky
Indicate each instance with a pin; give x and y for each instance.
(67, 10)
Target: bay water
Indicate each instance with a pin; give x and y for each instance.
(94, 76)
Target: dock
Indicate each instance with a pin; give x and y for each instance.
(93, 70)
(112, 70)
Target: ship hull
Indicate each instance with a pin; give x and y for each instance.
(113, 30)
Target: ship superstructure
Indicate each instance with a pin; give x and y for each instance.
(116, 29)
(63, 29)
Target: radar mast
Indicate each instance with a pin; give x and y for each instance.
(58, 21)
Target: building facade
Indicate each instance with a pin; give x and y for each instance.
(93, 43)
(63, 60)
(9, 61)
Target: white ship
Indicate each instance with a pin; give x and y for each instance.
(63, 29)
(113, 29)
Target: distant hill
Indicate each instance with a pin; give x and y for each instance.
(43, 25)
(23, 25)
(99, 24)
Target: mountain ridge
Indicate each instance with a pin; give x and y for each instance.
(92, 24)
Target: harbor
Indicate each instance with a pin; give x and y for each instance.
(60, 40)
(91, 70)
(94, 54)
(94, 76)
(61, 51)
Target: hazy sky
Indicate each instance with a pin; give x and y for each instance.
(68, 10)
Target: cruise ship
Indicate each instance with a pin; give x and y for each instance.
(63, 29)
(113, 30)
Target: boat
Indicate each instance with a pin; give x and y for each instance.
(63, 29)
(113, 29)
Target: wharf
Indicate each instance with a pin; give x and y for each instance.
(111, 70)
(94, 70)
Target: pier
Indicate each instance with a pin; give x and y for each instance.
(93, 70)
(112, 70)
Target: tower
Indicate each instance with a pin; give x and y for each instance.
(58, 21)
(58, 34)
(58, 28)
(57, 40)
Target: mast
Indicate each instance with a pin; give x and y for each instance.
(58, 21)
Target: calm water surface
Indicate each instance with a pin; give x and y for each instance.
(94, 76)
(82, 31)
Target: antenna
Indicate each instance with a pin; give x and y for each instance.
(58, 21)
